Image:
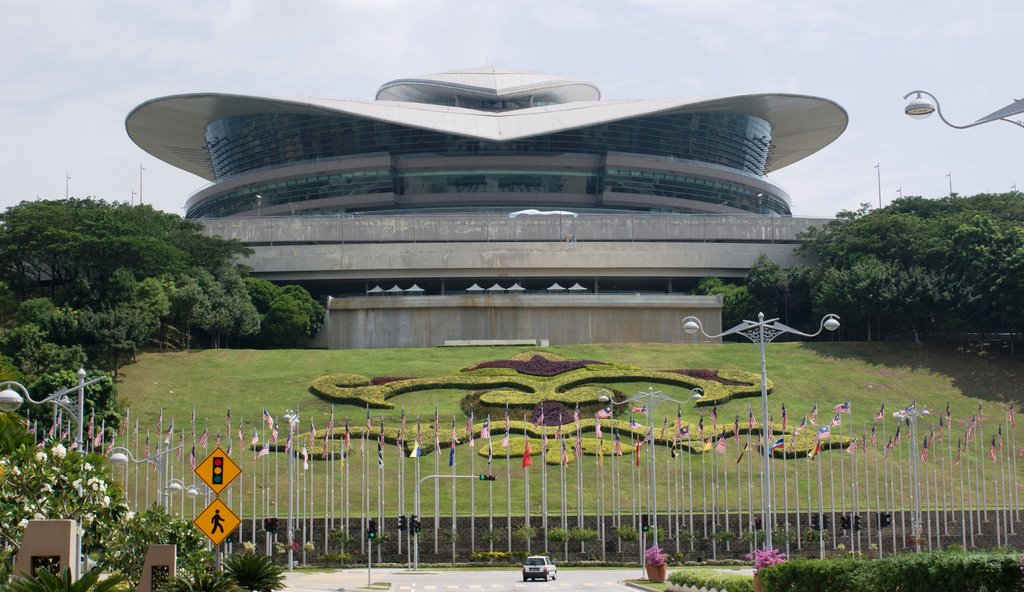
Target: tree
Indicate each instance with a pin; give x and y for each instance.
(737, 303)
(101, 401)
(286, 323)
(189, 306)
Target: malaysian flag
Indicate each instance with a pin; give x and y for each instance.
(785, 417)
(181, 445)
(852, 447)
(801, 427)
(576, 416)
(263, 451)
(274, 433)
(685, 432)
(401, 425)
(881, 414)
(255, 437)
(824, 431)
(949, 415)
(605, 413)
(971, 425)
(720, 446)
(579, 447)
(714, 418)
(814, 415)
(145, 453)
(905, 412)
(227, 423)
(750, 418)
(504, 441)
(618, 445)
(348, 435)
(924, 449)
(565, 454)
(842, 408)
(540, 418)
(485, 431)
(633, 424)
(203, 439)
(160, 422)
(1009, 416)
(872, 433)
(169, 434)
(888, 448)
(992, 450)
(508, 424)
(597, 428)
(437, 433)
(700, 426)
(192, 458)
(958, 454)
(999, 437)
(838, 419)
(455, 432)
(267, 418)
(736, 429)
(288, 442)
(312, 434)
(123, 429)
(89, 431)
(896, 440)
(642, 410)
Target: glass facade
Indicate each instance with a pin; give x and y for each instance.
(257, 142)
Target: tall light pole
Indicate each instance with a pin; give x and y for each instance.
(121, 456)
(762, 332)
(651, 398)
(924, 104)
(911, 413)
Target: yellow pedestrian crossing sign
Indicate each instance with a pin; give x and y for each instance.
(218, 470)
(217, 521)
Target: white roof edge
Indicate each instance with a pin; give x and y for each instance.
(172, 128)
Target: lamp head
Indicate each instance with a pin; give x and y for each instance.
(175, 486)
(10, 399)
(832, 323)
(919, 107)
(118, 458)
(603, 399)
(698, 393)
(191, 491)
(690, 326)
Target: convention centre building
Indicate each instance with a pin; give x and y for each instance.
(495, 205)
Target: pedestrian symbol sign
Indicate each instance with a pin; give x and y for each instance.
(218, 470)
(217, 521)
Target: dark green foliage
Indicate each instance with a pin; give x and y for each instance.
(200, 582)
(44, 581)
(100, 398)
(288, 314)
(737, 303)
(703, 578)
(254, 572)
(931, 572)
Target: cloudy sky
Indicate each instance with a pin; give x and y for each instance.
(72, 70)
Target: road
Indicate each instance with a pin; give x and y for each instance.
(401, 580)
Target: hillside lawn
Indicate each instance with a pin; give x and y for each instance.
(804, 374)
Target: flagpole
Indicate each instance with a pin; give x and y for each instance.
(508, 489)
(714, 504)
(867, 492)
(472, 490)
(972, 509)
(437, 486)
(878, 502)
(945, 500)
(451, 463)
(785, 493)
(703, 485)
(750, 485)
(821, 501)
(544, 477)
(1013, 449)
(964, 525)
(725, 496)
(526, 482)
(490, 485)
(983, 480)
(632, 481)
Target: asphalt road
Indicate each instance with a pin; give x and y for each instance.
(458, 580)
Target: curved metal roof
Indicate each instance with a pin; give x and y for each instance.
(488, 83)
(172, 128)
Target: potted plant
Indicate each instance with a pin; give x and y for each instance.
(763, 559)
(654, 562)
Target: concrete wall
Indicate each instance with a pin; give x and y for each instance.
(427, 321)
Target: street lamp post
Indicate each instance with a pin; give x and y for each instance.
(912, 414)
(924, 103)
(121, 456)
(652, 398)
(762, 332)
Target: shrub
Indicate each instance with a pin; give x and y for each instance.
(200, 582)
(558, 535)
(254, 572)
(702, 578)
(524, 533)
(583, 535)
(494, 556)
(627, 533)
(336, 559)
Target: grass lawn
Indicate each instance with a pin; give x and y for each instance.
(804, 374)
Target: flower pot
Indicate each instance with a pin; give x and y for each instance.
(656, 573)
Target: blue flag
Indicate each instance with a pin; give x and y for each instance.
(451, 456)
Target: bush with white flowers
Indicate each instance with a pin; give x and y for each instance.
(51, 483)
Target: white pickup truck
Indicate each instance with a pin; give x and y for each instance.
(539, 566)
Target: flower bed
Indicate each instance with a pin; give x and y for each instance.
(691, 579)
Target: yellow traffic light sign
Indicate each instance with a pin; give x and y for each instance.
(217, 521)
(218, 470)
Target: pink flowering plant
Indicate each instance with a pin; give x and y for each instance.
(655, 556)
(766, 558)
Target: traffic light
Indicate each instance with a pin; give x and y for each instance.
(401, 523)
(815, 522)
(270, 524)
(757, 523)
(826, 521)
(414, 522)
(884, 519)
(487, 477)
(371, 529)
(645, 523)
(218, 470)
(856, 522)
(844, 522)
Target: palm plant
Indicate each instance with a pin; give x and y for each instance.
(199, 582)
(254, 572)
(45, 581)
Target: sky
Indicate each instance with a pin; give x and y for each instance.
(73, 70)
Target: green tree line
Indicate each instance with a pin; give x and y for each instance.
(86, 283)
(918, 266)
